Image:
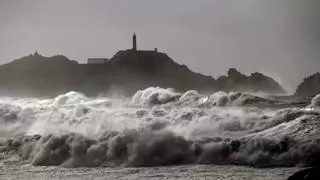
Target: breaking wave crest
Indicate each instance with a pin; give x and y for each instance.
(315, 102)
(157, 96)
(158, 127)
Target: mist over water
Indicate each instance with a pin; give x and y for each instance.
(159, 127)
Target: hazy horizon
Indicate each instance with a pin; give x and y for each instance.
(277, 37)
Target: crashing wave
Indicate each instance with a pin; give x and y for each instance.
(158, 96)
(159, 148)
(235, 99)
(69, 98)
(154, 96)
(158, 127)
(315, 102)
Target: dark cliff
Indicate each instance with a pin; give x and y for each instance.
(126, 72)
(310, 86)
(255, 82)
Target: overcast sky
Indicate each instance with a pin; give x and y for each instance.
(278, 37)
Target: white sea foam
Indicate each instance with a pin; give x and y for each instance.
(316, 101)
(158, 127)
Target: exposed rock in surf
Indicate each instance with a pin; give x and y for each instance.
(306, 174)
(255, 82)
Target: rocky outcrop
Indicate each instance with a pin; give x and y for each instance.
(306, 174)
(255, 82)
(125, 73)
(309, 87)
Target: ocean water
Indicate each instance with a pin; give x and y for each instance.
(164, 172)
(157, 134)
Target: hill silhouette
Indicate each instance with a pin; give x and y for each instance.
(126, 72)
(255, 82)
(310, 86)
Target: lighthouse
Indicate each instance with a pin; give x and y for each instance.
(134, 42)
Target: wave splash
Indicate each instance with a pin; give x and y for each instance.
(159, 127)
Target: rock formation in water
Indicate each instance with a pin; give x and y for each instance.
(310, 86)
(306, 174)
(255, 82)
(126, 72)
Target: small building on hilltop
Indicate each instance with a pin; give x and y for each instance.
(98, 61)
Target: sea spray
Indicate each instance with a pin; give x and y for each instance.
(315, 102)
(159, 127)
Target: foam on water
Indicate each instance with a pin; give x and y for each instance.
(316, 101)
(159, 127)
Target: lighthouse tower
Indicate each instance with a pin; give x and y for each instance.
(134, 42)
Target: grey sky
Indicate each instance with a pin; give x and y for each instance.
(277, 37)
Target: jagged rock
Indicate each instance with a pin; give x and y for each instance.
(306, 174)
(127, 71)
(310, 86)
(256, 82)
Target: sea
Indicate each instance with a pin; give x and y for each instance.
(158, 133)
